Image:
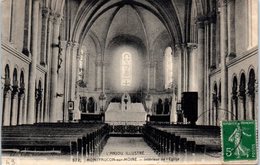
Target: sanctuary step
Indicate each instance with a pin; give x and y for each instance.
(88, 117)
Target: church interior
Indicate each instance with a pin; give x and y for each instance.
(77, 72)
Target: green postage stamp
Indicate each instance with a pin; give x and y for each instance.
(239, 140)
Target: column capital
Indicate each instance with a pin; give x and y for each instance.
(99, 62)
(63, 44)
(51, 16)
(212, 17)
(74, 44)
(180, 46)
(206, 22)
(7, 93)
(36, 1)
(45, 12)
(200, 20)
(192, 45)
(223, 3)
(57, 19)
(147, 64)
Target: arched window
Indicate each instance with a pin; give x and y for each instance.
(215, 104)
(251, 83)
(126, 69)
(15, 82)
(81, 67)
(22, 79)
(234, 99)
(7, 75)
(168, 67)
(251, 92)
(219, 92)
(242, 94)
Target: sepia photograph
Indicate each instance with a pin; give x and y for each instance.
(129, 82)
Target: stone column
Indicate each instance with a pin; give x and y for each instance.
(153, 75)
(256, 100)
(99, 74)
(32, 73)
(67, 80)
(212, 40)
(13, 22)
(193, 84)
(206, 71)
(21, 106)
(178, 52)
(241, 112)
(251, 100)
(86, 66)
(103, 73)
(73, 71)
(200, 64)
(231, 28)
(173, 117)
(45, 16)
(27, 28)
(54, 67)
(48, 74)
(185, 67)
(148, 66)
(6, 106)
(39, 110)
(14, 106)
(223, 55)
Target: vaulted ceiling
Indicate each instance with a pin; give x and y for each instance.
(146, 19)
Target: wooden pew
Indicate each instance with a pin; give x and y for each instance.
(174, 139)
(78, 138)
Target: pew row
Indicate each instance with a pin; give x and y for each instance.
(176, 138)
(72, 138)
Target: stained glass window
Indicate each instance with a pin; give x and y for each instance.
(168, 67)
(126, 73)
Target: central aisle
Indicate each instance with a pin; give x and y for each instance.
(127, 148)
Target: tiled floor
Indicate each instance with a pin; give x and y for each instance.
(127, 146)
(135, 149)
(119, 150)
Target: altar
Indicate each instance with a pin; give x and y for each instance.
(126, 113)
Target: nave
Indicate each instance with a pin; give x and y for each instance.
(97, 142)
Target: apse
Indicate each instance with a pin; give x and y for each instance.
(126, 70)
